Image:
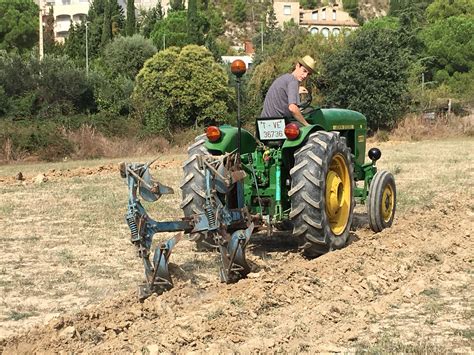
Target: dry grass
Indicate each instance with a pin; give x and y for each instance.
(416, 127)
(427, 170)
(90, 144)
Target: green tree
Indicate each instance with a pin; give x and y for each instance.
(309, 4)
(369, 75)
(115, 72)
(442, 9)
(131, 21)
(181, 87)
(74, 45)
(171, 31)
(450, 43)
(150, 19)
(239, 14)
(18, 25)
(272, 32)
(215, 20)
(400, 6)
(203, 5)
(351, 7)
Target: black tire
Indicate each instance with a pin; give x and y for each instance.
(382, 201)
(193, 189)
(319, 225)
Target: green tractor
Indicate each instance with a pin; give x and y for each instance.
(302, 180)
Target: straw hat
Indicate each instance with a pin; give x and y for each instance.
(308, 62)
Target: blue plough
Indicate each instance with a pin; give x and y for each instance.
(230, 229)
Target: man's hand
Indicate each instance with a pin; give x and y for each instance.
(295, 111)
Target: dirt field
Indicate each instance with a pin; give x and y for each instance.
(68, 271)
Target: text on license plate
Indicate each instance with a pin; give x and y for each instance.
(272, 129)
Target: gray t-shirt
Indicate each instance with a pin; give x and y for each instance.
(282, 93)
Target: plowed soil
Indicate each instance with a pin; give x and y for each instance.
(407, 288)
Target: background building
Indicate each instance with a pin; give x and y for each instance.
(326, 20)
(67, 12)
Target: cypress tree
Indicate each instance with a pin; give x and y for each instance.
(192, 22)
(107, 26)
(152, 17)
(131, 21)
(49, 43)
(176, 5)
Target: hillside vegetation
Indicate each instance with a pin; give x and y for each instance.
(407, 57)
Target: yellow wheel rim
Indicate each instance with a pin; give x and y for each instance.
(338, 194)
(388, 201)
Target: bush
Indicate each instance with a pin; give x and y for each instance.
(18, 75)
(62, 88)
(43, 139)
(180, 88)
(23, 106)
(62, 83)
(4, 101)
(107, 124)
(126, 55)
(112, 94)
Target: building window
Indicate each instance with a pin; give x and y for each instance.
(336, 31)
(323, 14)
(314, 15)
(314, 31)
(286, 9)
(334, 15)
(66, 2)
(325, 32)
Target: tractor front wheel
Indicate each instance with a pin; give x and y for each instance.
(321, 193)
(382, 201)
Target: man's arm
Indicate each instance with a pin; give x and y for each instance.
(295, 111)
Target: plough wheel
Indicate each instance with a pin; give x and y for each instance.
(322, 201)
(193, 189)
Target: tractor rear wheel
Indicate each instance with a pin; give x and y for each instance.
(321, 193)
(382, 201)
(193, 189)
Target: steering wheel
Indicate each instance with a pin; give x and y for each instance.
(305, 98)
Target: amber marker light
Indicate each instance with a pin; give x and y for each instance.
(213, 133)
(292, 131)
(238, 67)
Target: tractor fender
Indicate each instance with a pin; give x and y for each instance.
(228, 141)
(351, 124)
(304, 133)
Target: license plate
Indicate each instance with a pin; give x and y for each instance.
(271, 129)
